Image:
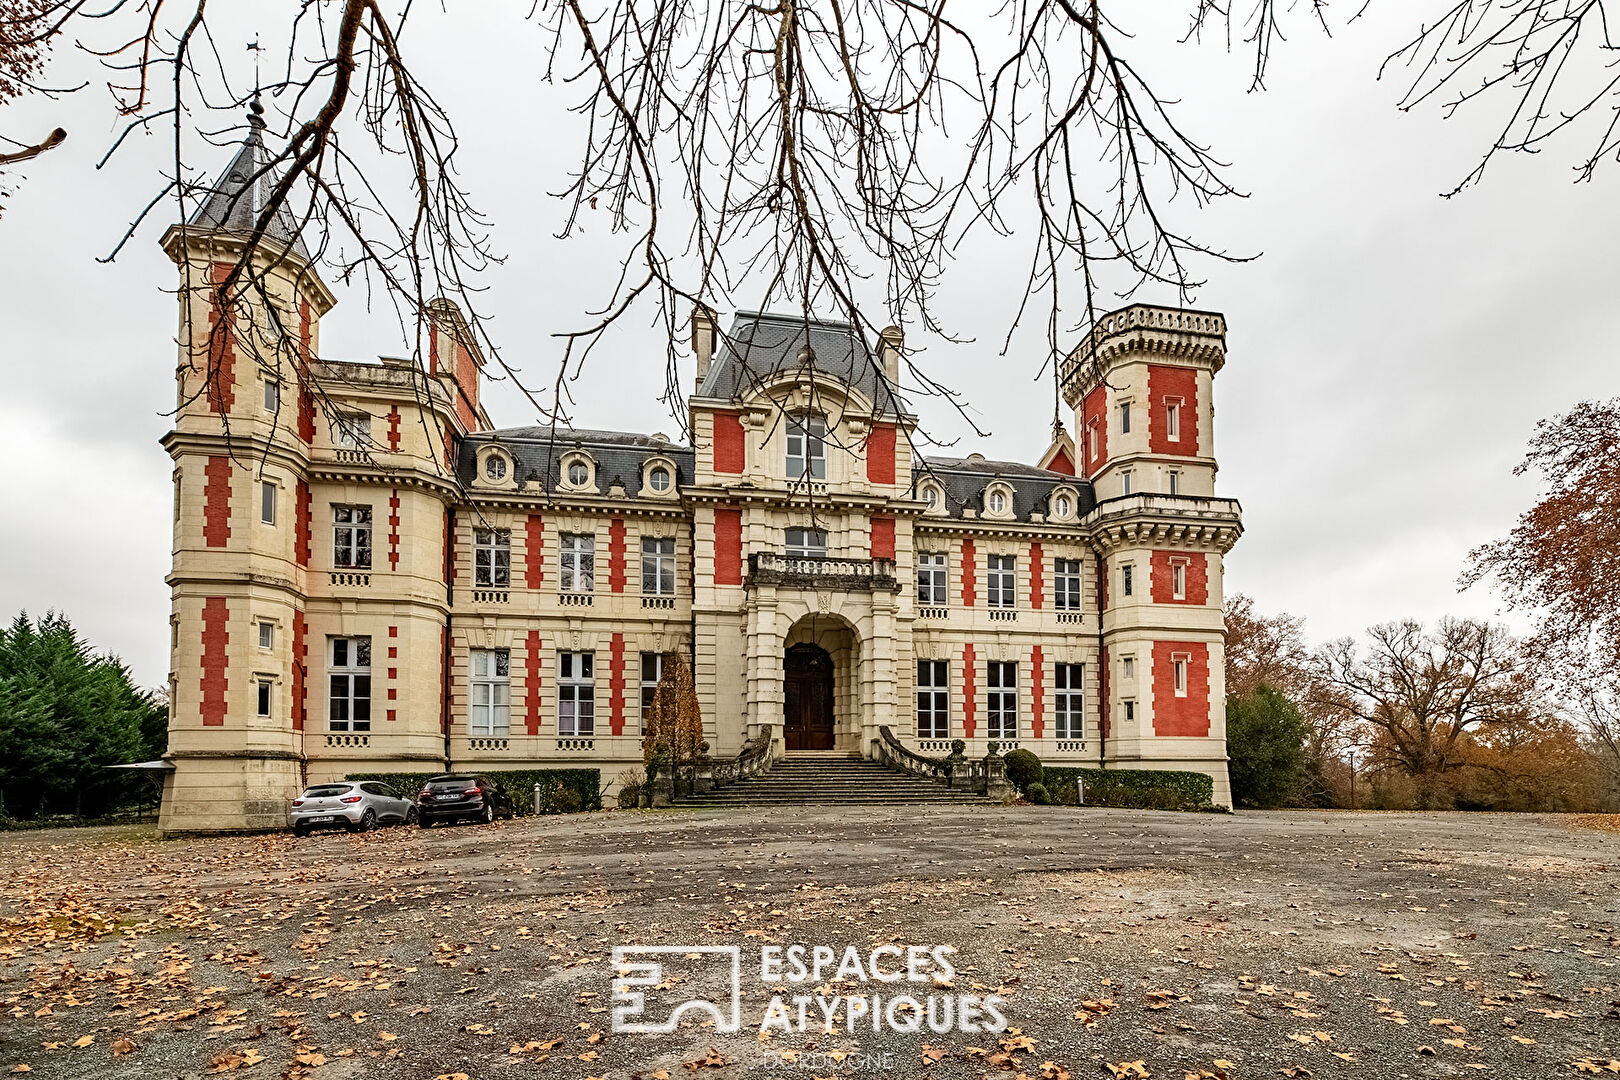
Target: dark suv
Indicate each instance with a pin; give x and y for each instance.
(461, 798)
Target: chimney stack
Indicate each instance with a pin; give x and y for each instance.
(890, 343)
(703, 329)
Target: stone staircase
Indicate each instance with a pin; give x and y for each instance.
(832, 778)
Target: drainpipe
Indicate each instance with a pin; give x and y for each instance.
(449, 603)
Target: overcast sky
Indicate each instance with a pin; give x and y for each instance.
(1389, 353)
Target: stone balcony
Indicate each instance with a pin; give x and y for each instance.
(812, 572)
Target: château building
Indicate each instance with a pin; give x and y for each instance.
(370, 576)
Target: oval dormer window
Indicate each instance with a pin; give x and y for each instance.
(579, 474)
(931, 497)
(998, 503)
(495, 467)
(1062, 506)
(658, 479)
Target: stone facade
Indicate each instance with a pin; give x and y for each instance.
(369, 576)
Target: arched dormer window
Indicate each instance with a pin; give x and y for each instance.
(495, 468)
(931, 495)
(1063, 505)
(998, 501)
(578, 472)
(659, 478)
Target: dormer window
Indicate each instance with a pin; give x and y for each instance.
(578, 472)
(998, 503)
(931, 497)
(659, 479)
(806, 448)
(495, 468)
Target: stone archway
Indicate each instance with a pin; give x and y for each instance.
(826, 647)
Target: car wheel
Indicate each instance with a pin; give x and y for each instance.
(426, 823)
(367, 822)
(489, 813)
(410, 816)
(300, 830)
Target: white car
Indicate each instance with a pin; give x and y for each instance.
(356, 805)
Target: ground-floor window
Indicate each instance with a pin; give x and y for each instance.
(576, 694)
(1068, 708)
(652, 669)
(349, 666)
(1001, 710)
(933, 700)
(489, 693)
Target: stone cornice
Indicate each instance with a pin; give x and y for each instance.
(1176, 333)
(1186, 521)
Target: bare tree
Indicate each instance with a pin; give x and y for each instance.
(822, 157)
(1418, 695)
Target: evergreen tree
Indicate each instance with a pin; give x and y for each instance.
(1265, 738)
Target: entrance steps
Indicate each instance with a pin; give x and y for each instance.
(831, 778)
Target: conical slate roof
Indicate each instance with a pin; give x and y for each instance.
(239, 195)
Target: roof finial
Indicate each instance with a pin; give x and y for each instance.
(255, 107)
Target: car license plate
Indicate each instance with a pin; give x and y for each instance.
(321, 818)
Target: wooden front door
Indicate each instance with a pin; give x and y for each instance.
(807, 698)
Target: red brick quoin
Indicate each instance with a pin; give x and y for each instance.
(531, 684)
(970, 692)
(1094, 417)
(880, 461)
(215, 637)
(1174, 715)
(729, 455)
(727, 546)
(217, 501)
(1197, 577)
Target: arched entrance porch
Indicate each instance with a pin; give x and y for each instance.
(820, 690)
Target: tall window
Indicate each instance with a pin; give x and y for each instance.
(489, 693)
(264, 691)
(658, 565)
(267, 501)
(806, 448)
(267, 635)
(1066, 584)
(349, 666)
(352, 431)
(1069, 710)
(1001, 588)
(576, 695)
(1178, 673)
(1124, 418)
(931, 579)
(1175, 482)
(933, 700)
(492, 558)
(1125, 478)
(1127, 668)
(351, 537)
(577, 552)
(1091, 441)
(272, 396)
(1001, 710)
(806, 544)
(1127, 580)
(1178, 579)
(1172, 419)
(652, 669)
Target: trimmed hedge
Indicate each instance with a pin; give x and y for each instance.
(562, 791)
(1145, 789)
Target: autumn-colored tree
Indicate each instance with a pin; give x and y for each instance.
(673, 724)
(1420, 695)
(1535, 763)
(1267, 650)
(1562, 559)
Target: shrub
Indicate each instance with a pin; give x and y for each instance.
(629, 789)
(1023, 769)
(1037, 794)
(585, 785)
(560, 800)
(1265, 735)
(1146, 789)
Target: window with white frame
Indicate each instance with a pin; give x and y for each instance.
(495, 467)
(578, 473)
(492, 558)
(933, 700)
(1175, 482)
(806, 543)
(806, 448)
(349, 671)
(1124, 418)
(1001, 708)
(1068, 705)
(1172, 419)
(264, 688)
(351, 537)
(267, 501)
(652, 669)
(658, 565)
(1178, 672)
(1062, 506)
(1066, 584)
(1001, 581)
(1125, 478)
(272, 396)
(1129, 708)
(932, 579)
(489, 693)
(577, 557)
(267, 634)
(1127, 580)
(1178, 579)
(1091, 441)
(996, 502)
(351, 431)
(576, 695)
(1127, 668)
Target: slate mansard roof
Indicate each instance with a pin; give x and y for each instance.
(236, 199)
(966, 479)
(537, 452)
(761, 346)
